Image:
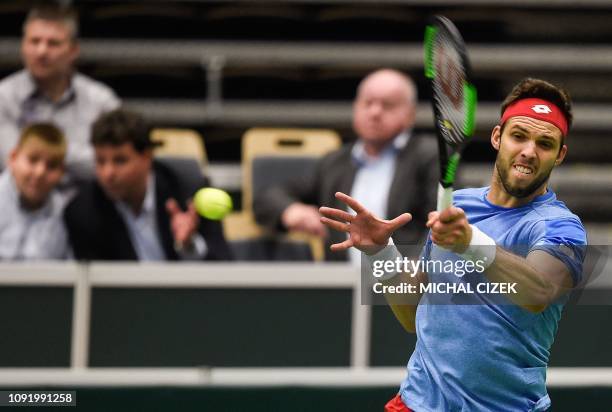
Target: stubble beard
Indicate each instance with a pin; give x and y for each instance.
(519, 192)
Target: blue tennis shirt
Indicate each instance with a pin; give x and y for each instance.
(478, 353)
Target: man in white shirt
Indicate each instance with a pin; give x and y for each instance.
(389, 168)
(49, 89)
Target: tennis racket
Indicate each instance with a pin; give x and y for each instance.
(453, 98)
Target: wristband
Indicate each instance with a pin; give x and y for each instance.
(389, 252)
(482, 247)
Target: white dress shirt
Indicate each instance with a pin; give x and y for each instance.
(144, 232)
(373, 180)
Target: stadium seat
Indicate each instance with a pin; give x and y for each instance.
(180, 143)
(189, 170)
(269, 157)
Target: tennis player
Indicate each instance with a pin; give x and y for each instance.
(490, 354)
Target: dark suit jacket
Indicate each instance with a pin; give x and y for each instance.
(413, 190)
(97, 230)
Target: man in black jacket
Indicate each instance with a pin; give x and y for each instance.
(136, 209)
(389, 168)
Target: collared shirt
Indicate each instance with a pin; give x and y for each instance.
(144, 231)
(21, 103)
(30, 234)
(373, 179)
(142, 228)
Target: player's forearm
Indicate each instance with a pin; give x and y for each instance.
(404, 306)
(394, 282)
(534, 291)
(406, 316)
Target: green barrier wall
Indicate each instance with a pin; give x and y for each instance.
(36, 326)
(236, 327)
(220, 327)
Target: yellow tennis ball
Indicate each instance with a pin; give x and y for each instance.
(212, 203)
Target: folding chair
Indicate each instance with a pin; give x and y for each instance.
(270, 157)
(180, 143)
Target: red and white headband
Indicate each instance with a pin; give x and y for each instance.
(537, 109)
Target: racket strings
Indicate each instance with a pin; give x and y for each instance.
(448, 89)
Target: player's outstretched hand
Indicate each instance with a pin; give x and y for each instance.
(367, 232)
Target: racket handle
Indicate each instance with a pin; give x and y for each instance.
(445, 197)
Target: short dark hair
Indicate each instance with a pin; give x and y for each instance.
(541, 89)
(45, 131)
(121, 126)
(57, 12)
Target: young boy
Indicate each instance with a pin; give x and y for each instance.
(31, 225)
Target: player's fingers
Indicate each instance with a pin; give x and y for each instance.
(451, 214)
(341, 246)
(336, 214)
(352, 203)
(448, 215)
(431, 218)
(334, 224)
(448, 240)
(440, 240)
(441, 228)
(456, 236)
(400, 221)
(435, 238)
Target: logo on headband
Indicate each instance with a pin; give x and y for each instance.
(538, 109)
(541, 108)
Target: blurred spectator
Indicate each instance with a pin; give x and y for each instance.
(31, 224)
(135, 210)
(389, 169)
(49, 88)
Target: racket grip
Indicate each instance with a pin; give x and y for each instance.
(445, 197)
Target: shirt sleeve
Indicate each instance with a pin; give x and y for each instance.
(426, 252)
(197, 251)
(564, 239)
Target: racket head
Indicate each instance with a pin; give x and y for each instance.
(453, 95)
